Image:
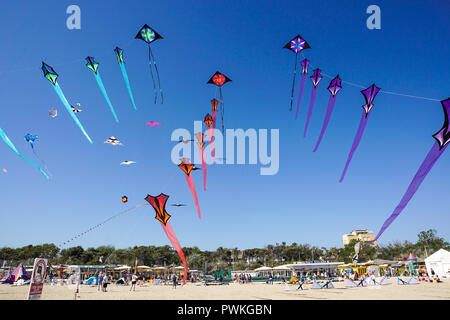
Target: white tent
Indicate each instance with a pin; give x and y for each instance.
(440, 263)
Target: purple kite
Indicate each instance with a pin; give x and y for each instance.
(296, 45)
(334, 87)
(442, 139)
(315, 78)
(305, 64)
(369, 95)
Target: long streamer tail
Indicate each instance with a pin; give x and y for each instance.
(327, 119)
(157, 76)
(103, 90)
(202, 153)
(222, 108)
(150, 61)
(311, 107)
(300, 92)
(293, 83)
(358, 136)
(191, 185)
(173, 239)
(427, 164)
(211, 135)
(127, 83)
(13, 148)
(69, 109)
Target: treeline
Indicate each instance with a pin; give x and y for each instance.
(222, 258)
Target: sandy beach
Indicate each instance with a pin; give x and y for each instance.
(234, 291)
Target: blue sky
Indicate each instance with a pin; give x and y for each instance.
(304, 202)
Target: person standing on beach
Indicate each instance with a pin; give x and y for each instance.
(105, 282)
(99, 281)
(133, 282)
(174, 279)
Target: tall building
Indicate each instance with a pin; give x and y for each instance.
(360, 235)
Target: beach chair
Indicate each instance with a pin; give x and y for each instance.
(327, 285)
(411, 280)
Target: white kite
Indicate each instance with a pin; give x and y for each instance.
(127, 162)
(113, 141)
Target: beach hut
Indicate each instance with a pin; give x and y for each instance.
(439, 262)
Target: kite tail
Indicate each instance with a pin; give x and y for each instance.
(358, 136)
(327, 119)
(211, 135)
(222, 107)
(191, 185)
(127, 83)
(214, 116)
(150, 60)
(173, 239)
(157, 76)
(43, 162)
(293, 82)
(13, 148)
(202, 153)
(427, 164)
(311, 107)
(103, 90)
(300, 92)
(69, 109)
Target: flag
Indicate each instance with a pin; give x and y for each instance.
(4, 263)
(100, 259)
(356, 255)
(135, 265)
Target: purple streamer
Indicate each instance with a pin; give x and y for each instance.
(311, 106)
(327, 119)
(358, 136)
(426, 166)
(300, 92)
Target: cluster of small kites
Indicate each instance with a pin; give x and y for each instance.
(296, 45)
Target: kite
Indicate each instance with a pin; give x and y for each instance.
(178, 205)
(51, 76)
(369, 95)
(185, 141)
(355, 257)
(351, 283)
(119, 55)
(52, 112)
(113, 141)
(75, 110)
(200, 136)
(411, 280)
(159, 204)
(150, 123)
(13, 148)
(93, 65)
(315, 78)
(442, 139)
(305, 64)
(296, 45)
(4, 170)
(187, 168)
(334, 87)
(214, 103)
(382, 282)
(124, 199)
(208, 121)
(31, 139)
(149, 35)
(219, 79)
(127, 162)
(326, 285)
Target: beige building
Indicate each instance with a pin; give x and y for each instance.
(360, 235)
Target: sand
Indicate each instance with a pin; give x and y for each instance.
(234, 291)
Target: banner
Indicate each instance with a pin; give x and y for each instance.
(37, 279)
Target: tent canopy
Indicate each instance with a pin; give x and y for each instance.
(440, 263)
(264, 269)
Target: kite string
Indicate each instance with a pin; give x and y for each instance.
(105, 221)
(383, 91)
